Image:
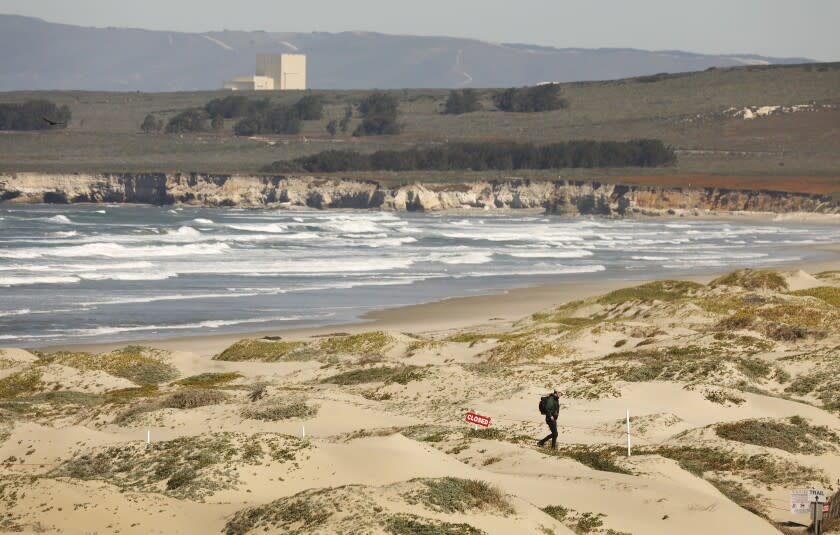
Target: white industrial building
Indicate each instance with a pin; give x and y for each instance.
(274, 71)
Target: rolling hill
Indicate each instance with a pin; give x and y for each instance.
(43, 55)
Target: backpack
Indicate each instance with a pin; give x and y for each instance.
(543, 403)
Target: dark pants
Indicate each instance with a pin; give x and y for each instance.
(552, 424)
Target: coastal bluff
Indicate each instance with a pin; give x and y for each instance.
(559, 196)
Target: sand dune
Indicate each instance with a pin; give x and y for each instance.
(731, 385)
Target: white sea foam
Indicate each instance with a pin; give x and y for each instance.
(115, 250)
(202, 221)
(24, 337)
(351, 225)
(28, 312)
(173, 297)
(76, 268)
(476, 257)
(127, 276)
(64, 220)
(271, 228)
(207, 324)
(387, 242)
(21, 281)
(64, 234)
(185, 232)
(550, 253)
(20, 312)
(559, 270)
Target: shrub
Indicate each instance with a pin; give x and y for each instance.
(278, 119)
(33, 115)
(796, 436)
(739, 494)
(752, 279)
(754, 368)
(379, 115)
(149, 372)
(558, 512)
(544, 97)
(598, 459)
(262, 350)
(190, 399)
(281, 514)
(192, 467)
(762, 468)
(208, 380)
(462, 101)
(381, 374)
(22, 382)
(257, 391)
(803, 315)
(274, 411)
(588, 522)
(140, 365)
(668, 290)
(151, 124)
(405, 524)
(723, 397)
(67, 397)
(360, 344)
(501, 155)
(181, 478)
(249, 126)
(783, 332)
(234, 106)
(804, 384)
(456, 495)
(124, 395)
(87, 467)
(310, 108)
(740, 320)
(332, 127)
(829, 294)
(194, 120)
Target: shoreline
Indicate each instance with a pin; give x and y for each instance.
(500, 307)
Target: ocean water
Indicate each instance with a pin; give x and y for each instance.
(97, 273)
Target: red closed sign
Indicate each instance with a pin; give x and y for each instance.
(477, 419)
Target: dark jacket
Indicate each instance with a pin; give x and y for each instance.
(552, 406)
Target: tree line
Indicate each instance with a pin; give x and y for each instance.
(543, 97)
(256, 116)
(502, 156)
(379, 112)
(33, 115)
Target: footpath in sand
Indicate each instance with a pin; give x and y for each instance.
(733, 388)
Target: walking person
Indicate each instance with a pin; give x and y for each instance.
(550, 406)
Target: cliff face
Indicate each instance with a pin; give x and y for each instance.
(555, 197)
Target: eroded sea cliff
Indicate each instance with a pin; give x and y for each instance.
(248, 191)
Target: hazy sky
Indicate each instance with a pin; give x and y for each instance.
(801, 28)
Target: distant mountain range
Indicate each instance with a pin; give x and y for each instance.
(41, 55)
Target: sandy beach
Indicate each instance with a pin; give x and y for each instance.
(729, 380)
(458, 312)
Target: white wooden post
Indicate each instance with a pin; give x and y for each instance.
(628, 432)
(302, 431)
(148, 436)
